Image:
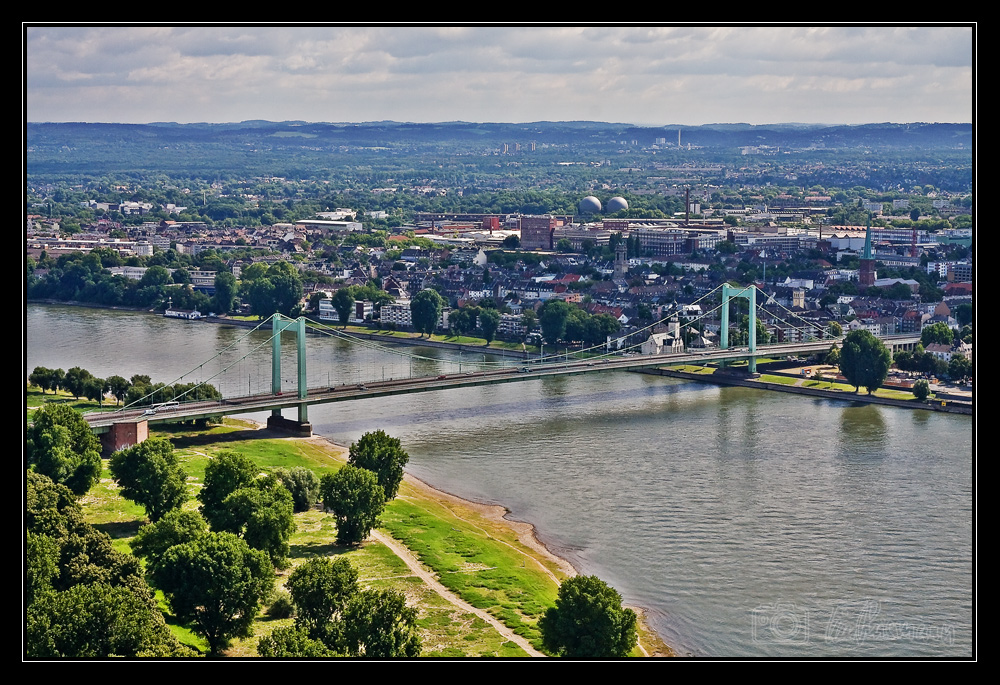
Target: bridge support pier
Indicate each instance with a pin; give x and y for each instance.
(298, 327)
(301, 429)
(122, 435)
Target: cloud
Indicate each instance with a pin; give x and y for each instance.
(638, 74)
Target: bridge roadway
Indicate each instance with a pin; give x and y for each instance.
(525, 370)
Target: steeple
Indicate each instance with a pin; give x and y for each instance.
(868, 239)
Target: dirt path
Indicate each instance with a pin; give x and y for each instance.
(414, 564)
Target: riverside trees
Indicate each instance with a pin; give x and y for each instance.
(149, 474)
(425, 310)
(864, 360)
(332, 611)
(356, 500)
(218, 583)
(384, 456)
(588, 620)
(257, 508)
(61, 446)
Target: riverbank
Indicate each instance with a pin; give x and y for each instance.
(941, 405)
(479, 579)
(495, 522)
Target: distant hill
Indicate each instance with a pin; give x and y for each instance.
(278, 147)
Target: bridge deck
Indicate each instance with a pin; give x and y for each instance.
(523, 371)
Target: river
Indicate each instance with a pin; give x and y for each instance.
(748, 523)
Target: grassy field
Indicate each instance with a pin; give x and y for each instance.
(473, 554)
(477, 558)
(445, 630)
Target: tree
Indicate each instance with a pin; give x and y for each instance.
(553, 317)
(864, 360)
(836, 330)
(833, 356)
(76, 381)
(302, 483)
(176, 527)
(261, 514)
(959, 367)
(384, 456)
(588, 620)
(343, 303)
(425, 310)
(225, 292)
(149, 474)
(320, 589)
(61, 446)
(489, 322)
(98, 621)
(356, 500)
(41, 377)
(921, 389)
(118, 387)
(379, 625)
(226, 473)
(939, 333)
(292, 642)
(216, 582)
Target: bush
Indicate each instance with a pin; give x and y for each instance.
(302, 483)
(281, 606)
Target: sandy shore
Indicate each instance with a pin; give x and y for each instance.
(650, 642)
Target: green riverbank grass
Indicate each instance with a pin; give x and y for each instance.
(445, 629)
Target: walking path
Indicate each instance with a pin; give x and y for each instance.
(418, 570)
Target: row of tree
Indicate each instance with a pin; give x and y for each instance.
(138, 390)
(563, 321)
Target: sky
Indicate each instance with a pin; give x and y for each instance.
(644, 75)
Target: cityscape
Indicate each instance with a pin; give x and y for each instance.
(717, 379)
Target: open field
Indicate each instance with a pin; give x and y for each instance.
(480, 558)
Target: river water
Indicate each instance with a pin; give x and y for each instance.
(748, 523)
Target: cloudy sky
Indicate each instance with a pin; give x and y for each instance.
(642, 75)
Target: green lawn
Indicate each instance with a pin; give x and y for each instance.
(445, 630)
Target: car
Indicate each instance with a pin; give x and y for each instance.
(525, 369)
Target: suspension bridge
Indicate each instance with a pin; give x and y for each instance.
(129, 425)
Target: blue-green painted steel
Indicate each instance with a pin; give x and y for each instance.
(750, 293)
(298, 326)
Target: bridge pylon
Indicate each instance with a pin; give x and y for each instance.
(750, 293)
(280, 324)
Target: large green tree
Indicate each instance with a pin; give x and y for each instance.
(149, 474)
(425, 310)
(588, 620)
(864, 360)
(177, 527)
(225, 292)
(320, 590)
(356, 500)
(98, 621)
(61, 446)
(262, 514)
(379, 625)
(227, 472)
(384, 456)
(489, 322)
(302, 483)
(217, 582)
(939, 333)
(553, 318)
(343, 302)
